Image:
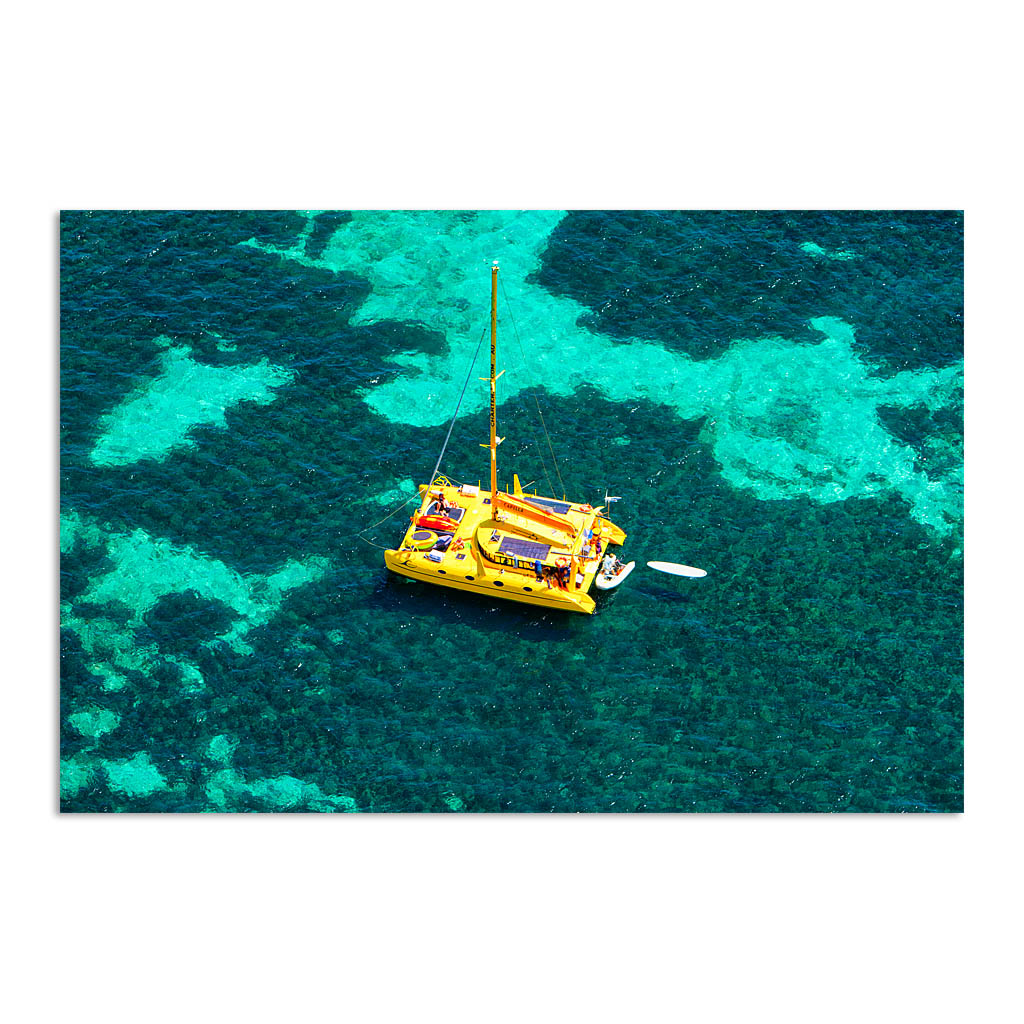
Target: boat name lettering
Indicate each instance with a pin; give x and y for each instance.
(501, 559)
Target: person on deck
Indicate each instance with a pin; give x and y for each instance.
(611, 565)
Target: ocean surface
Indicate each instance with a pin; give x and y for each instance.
(247, 403)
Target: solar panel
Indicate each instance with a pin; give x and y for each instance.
(524, 548)
(561, 507)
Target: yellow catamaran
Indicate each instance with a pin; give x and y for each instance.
(516, 546)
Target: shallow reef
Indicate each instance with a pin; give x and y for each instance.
(777, 397)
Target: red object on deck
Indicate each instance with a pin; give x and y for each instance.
(437, 523)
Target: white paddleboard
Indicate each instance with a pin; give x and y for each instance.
(678, 570)
(604, 582)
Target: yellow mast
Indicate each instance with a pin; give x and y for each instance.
(495, 440)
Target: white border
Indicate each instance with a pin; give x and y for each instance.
(785, 105)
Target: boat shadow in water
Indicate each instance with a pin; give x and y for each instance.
(655, 593)
(395, 596)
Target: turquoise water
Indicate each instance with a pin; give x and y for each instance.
(778, 398)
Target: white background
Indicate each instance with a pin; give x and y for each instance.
(721, 918)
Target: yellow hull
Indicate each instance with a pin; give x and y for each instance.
(481, 560)
(513, 587)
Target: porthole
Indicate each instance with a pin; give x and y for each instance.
(498, 583)
(527, 588)
(469, 577)
(442, 572)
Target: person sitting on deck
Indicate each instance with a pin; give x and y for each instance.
(611, 564)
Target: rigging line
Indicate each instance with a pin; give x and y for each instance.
(518, 393)
(372, 544)
(548, 436)
(515, 330)
(419, 497)
(533, 439)
(458, 405)
(529, 422)
(543, 460)
(415, 497)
